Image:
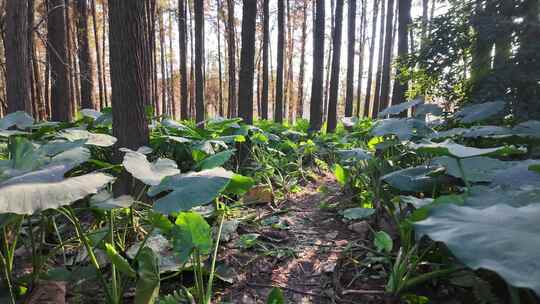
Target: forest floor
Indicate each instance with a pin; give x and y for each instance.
(306, 257)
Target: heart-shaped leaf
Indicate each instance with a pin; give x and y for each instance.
(480, 112)
(400, 107)
(450, 148)
(415, 179)
(92, 139)
(18, 119)
(216, 160)
(147, 172)
(191, 232)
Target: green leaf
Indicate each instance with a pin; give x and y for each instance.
(276, 297)
(147, 291)
(239, 184)
(404, 129)
(147, 172)
(191, 231)
(383, 242)
(480, 112)
(476, 169)
(356, 154)
(105, 200)
(19, 119)
(341, 174)
(358, 213)
(190, 190)
(414, 179)
(119, 261)
(216, 160)
(92, 139)
(449, 148)
(500, 238)
(400, 107)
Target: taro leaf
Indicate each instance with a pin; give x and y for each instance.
(74, 157)
(91, 113)
(190, 190)
(24, 157)
(483, 196)
(47, 188)
(428, 108)
(416, 202)
(191, 232)
(57, 146)
(530, 128)
(19, 119)
(104, 120)
(239, 184)
(9, 133)
(518, 176)
(358, 213)
(500, 238)
(104, 200)
(341, 174)
(349, 122)
(414, 179)
(177, 139)
(488, 131)
(383, 242)
(147, 291)
(119, 261)
(450, 148)
(449, 133)
(216, 160)
(276, 297)
(168, 261)
(476, 169)
(169, 123)
(480, 112)
(355, 154)
(93, 139)
(400, 107)
(147, 172)
(404, 129)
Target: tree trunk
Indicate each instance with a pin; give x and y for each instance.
(104, 57)
(85, 59)
(265, 59)
(288, 99)
(61, 106)
(351, 16)
(377, 93)
(98, 56)
(369, 88)
(503, 39)
(163, 82)
(247, 61)
(334, 78)
(17, 57)
(329, 61)
(171, 72)
(300, 98)
(233, 107)
(182, 30)
(404, 22)
(278, 112)
(220, 72)
(387, 62)
(316, 104)
(363, 26)
(199, 59)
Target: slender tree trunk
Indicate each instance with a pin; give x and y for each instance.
(220, 72)
(69, 59)
(232, 111)
(288, 100)
(377, 93)
(182, 29)
(98, 56)
(104, 57)
(192, 61)
(503, 39)
(300, 98)
(336, 59)
(329, 61)
(278, 112)
(199, 54)
(265, 59)
(387, 62)
(247, 61)
(171, 70)
(363, 26)
(17, 57)
(85, 59)
(369, 87)
(404, 16)
(61, 106)
(316, 104)
(163, 82)
(351, 16)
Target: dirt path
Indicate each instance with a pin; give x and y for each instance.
(300, 259)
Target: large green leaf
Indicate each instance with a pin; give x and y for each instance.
(530, 128)
(147, 172)
(415, 179)
(486, 196)
(119, 261)
(488, 131)
(147, 291)
(400, 107)
(404, 129)
(476, 169)
(191, 232)
(480, 112)
(18, 119)
(356, 154)
(239, 184)
(216, 160)
(518, 175)
(190, 190)
(358, 213)
(500, 238)
(428, 108)
(93, 139)
(47, 188)
(450, 148)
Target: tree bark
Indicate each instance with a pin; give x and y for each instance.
(288, 100)
(61, 106)
(247, 61)
(351, 16)
(369, 88)
(85, 59)
(98, 56)
(377, 93)
(171, 72)
(182, 30)
(300, 98)
(316, 104)
(278, 112)
(404, 22)
(17, 57)
(265, 59)
(163, 82)
(220, 72)
(233, 107)
(363, 26)
(334, 78)
(199, 59)
(387, 62)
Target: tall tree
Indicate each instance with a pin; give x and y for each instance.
(334, 78)
(363, 26)
(220, 72)
(39, 106)
(231, 59)
(247, 61)
(316, 104)
(182, 30)
(85, 60)
(387, 62)
(278, 111)
(199, 59)
(300, 98)
(163, 69)
(377, 93)
(98, 56)
(61, 106)
(265, 57)
(288, 100)
(17, 57)
(351, 28)
(130, 71)
(171, 66)
(404, 22)
(369, 88)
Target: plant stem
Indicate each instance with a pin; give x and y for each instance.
(214, 258)
(463, 176)
(113, 267)
(7, 274)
